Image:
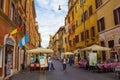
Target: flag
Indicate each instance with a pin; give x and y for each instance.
(15, 30)
(23, 41)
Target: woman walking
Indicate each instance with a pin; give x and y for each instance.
(64, 64)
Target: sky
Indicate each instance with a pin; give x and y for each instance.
(49, 18)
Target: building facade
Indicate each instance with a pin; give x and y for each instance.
(66, 45)
(55, 45)
(14, 14)
(109, 25)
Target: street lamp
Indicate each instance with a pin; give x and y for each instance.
(59, 7)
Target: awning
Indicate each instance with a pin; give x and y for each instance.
(68, 53)
(96, 48)
(40, 50)
(117, 45)
(77, 51)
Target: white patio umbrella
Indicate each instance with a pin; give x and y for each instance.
(40, 50)
(77, 51)
(68, 53)
(96, 48)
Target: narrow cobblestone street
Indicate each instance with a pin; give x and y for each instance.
(72, 73)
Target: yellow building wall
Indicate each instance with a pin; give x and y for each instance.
(90, 22)
(107, 10)
(110, 32)
(72, 22)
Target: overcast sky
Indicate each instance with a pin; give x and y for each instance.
(49, 17)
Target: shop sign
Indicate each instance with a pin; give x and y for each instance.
(43, 61)
(9, 41)
(92, 59)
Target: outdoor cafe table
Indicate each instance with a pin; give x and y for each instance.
(108, 65)
(83, 63)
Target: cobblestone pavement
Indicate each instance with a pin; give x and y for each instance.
(72, 73)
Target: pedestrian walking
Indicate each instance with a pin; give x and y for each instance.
(64, 64)
(49, 64)
(70, 60)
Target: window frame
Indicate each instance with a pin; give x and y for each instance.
(116, 14)
(90, 10)
(98, 3)
(0, 57)
(92, 31)
(101, 24)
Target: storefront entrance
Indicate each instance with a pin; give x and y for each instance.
(9, 47)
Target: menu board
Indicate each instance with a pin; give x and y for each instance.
(9, 64)
(92, 59)
(43, 61)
